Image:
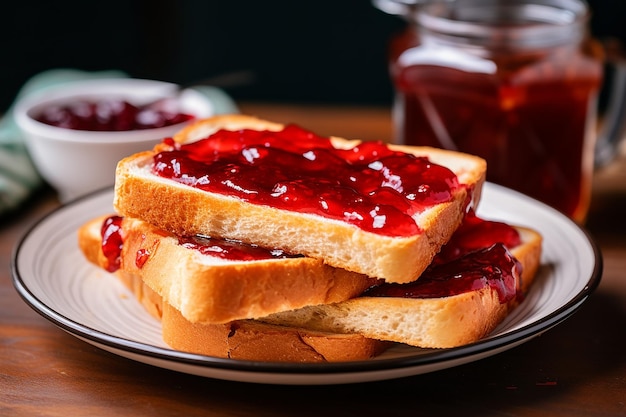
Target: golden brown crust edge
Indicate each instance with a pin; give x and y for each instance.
(240, 290)
(249, 339)
(210, 293)
(253, 340)
(192, 212)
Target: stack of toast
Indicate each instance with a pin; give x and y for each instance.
(253, 240)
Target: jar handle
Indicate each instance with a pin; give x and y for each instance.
(614, 125)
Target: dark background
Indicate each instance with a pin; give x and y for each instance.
(305, 51)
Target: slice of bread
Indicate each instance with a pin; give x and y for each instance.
(249, 339)
(441, 322)
(438, 322)
(209, 289)
(185, 210)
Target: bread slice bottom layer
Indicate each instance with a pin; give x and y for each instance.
(250, 339)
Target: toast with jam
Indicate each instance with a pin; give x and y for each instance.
(256, 240)
(192, 288)
(371, 208)
(479, 276)
(214, 280)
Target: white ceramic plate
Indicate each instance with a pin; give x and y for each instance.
(51, 275)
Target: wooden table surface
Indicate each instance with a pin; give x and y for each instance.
(575, 369)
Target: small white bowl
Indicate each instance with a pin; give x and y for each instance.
(76, 162)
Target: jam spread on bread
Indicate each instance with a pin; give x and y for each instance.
(476, 257)
(369, 185)
(490, 267)
(476, 233)
(110, 115)
(112, 242)
(231, 249)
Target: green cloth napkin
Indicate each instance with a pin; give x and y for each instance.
(18, 177)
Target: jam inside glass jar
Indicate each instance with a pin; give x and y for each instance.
(514, 82)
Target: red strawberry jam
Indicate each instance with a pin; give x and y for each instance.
(110, 115)
(490, 267)
(369, 185)
(232, 249)
(476, 257)
(112, 243)
(474, 234)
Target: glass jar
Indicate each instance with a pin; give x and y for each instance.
(513, 81)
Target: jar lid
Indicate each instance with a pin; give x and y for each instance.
(493, 23)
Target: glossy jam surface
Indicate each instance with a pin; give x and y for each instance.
(112, 242)
(111, 115)
(476, 257)
(530, 115)
(491, 267)
(369, 185)
(231, 250)
(476, 233)
(141, 257)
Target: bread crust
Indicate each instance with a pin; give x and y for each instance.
(429, 323)
(207, 289)
(253, 340)
(250, 339)
(184, 210)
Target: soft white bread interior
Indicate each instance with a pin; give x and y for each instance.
(210, 289)
(425, 322)
(184, 210)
